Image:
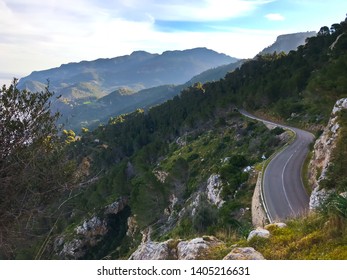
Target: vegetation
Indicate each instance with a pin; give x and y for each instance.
(161, 159)
(336, 175)
(33, 167)
(315, 237)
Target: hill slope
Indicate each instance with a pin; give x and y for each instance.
(93, 79)
(288, 42)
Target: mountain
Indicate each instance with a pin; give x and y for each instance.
(92, 113)
(288, 42)
(152, 77)
(87, 80)
(188, 168)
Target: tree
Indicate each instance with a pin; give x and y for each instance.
(324, 31)
(25, 119)
(34, 168)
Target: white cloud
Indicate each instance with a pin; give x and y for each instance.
(38, 34)
(182, 10)
(275, 17)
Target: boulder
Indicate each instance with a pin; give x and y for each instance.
(244, 253)
(151, 251)
(191, 250)
(260, 232)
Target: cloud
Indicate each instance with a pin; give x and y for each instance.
(194, 11)
(275, 17)
(38, 34)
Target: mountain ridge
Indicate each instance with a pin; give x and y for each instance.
(139, 70)
(288, 42)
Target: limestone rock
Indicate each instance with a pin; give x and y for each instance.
(171, 249)
(193, 205)
(151, 251)
(93, 227)
(321, 158)
(117, 206)
(318, 196)
(161, 175)
(339, 105)
(214, 190)
(73, 249)
(191, 250)
(88, 234)
(244, 253)
(132, 226)
(260, 232)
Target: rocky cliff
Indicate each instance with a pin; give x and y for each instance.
(288, 42)
(91, 233)
(322, 156)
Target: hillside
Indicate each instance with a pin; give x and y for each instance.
(188, 168)
(87, 80)
(95, 112)
(288, 42)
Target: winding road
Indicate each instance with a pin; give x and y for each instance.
(283, 191)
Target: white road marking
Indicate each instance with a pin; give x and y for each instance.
(284, 189)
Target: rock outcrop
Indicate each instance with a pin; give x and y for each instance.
(191, 250)
(152, 251)
(244, 253)
(259, 232)
(178, 250)
(321, 158)
(88, 234)
(132, 226)
(214, 190)
(91, 229)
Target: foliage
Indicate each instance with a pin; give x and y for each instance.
(33, 166)
(308, 238)
(25, 119)
(336, 174)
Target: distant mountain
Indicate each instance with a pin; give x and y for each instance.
(91, 114)
(215, 74)
(87, 80)
(97, 111)
(288, 42)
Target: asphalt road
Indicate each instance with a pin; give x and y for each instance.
(283, 190)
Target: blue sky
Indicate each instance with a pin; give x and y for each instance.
(36, 34)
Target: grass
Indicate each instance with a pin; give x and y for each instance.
(304, 173)
(308, 238)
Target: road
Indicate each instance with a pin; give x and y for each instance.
(283, 190)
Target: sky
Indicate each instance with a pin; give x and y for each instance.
(42, 34)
